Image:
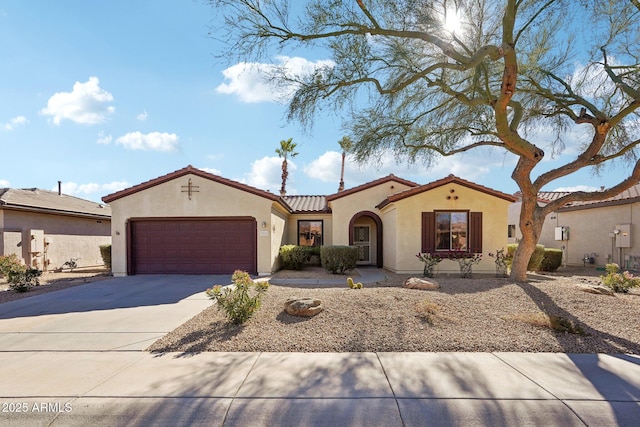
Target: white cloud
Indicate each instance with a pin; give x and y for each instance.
(87, 104)
(104, 139)
(211, 170)
(266, 174)
(470, 166)
(81, 190)
(4, 183)
(326, 168)
(576, 188)
(250, 81)
(142, 116)
(154, 141)
(16, 121)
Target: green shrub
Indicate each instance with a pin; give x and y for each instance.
(619, 282)
(237, 300)
(552, 259)
(312, 250)
(338, 259)
(293, 257)
(105, 252)
(7, 263)
(21, 278)
(535, 261)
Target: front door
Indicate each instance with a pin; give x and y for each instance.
(362, 240)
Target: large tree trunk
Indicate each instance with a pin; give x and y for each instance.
(531, 221)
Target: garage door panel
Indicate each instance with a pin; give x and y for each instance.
(193, 246)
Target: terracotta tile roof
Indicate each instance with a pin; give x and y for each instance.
(195, 171)
(448, 180)
(37, 200)
(384, 179)
(630, 195)
(304, 204)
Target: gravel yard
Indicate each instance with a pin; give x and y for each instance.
(52, 281)
(483, 314)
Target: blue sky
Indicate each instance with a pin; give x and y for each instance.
(105, 95)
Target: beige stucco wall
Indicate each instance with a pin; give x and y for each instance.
(279, 226)
(212, 200)
(389, 217)
(589, 233)
(344, 208)
(408, 225)
(68, 236)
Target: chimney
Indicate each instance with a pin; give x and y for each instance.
(59, 188)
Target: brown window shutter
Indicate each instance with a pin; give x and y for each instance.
(475, 232)
(428, 232)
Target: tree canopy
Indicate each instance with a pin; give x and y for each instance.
(420, 78)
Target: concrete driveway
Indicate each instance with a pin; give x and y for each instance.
(128, 313)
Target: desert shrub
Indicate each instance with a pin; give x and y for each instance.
(21, 278)
(430, 262)
(535, 261)
(552, 259)
(544, 320)
(105, 252)
(312, 250)
(353, 285)
(7, 262)
(338, 259)
(619, 282)
(240, 300)
(293, 257)
(428, 311)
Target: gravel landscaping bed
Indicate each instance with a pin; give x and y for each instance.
(482, 314)
(52, 281)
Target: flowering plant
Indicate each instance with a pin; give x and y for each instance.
(501, 262)
(466, 261)
(619, 282)
(430, 261)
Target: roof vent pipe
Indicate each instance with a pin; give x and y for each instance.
(59, 188)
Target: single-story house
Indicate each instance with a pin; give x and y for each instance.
(46, 229)
(590, 233)
(191, 221)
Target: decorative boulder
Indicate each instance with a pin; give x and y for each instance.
(601, 290)
(417, 283)
(303, 307)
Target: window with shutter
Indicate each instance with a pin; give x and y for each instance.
(446, 231)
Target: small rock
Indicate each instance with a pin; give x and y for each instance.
(417, 283)
(600, 290)
(304, 307)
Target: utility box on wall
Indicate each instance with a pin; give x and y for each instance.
(623, 235)
(562, 233)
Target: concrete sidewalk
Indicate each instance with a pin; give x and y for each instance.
(73, 357)
(318, 389)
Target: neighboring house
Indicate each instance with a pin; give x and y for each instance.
(597, 232)
(46, 229)
(190, 221)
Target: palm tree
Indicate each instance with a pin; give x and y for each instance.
(286, 150)
(345, 144)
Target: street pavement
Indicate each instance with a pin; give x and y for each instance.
(76, 357)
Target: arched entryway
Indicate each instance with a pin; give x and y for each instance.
(365, 231)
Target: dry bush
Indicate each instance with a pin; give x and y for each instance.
(428, 311)
(544, 320)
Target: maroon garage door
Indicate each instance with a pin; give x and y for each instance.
(192, 246)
